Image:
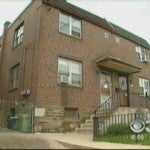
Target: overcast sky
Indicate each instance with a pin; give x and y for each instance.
(132, 15)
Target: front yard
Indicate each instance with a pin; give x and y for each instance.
(144, 139)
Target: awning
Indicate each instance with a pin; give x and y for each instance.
(116, 64)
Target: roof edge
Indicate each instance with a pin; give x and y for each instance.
(20, 14)
(81, 13)
(97, 20)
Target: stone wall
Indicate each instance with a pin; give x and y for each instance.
(55, 121)
(51, 121)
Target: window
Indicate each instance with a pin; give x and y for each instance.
(123, 82)
(14, 77)
(117, 39)
(18, 35)
(144, 86)
(70, 25)
(70, 72)
(106, 35)
(71, 113)
(140, 53)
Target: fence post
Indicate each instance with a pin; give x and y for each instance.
(95, 127)
(32, 118)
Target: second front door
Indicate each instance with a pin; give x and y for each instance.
(123, 92)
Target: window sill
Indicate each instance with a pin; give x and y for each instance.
(142, 61)
(65, 34)
(70, 86)
(14, 47)
(142, 96)
(12, 90)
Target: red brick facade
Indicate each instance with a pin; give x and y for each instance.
(38, 55)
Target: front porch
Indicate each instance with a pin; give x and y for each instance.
(116, 81)
(118, 95)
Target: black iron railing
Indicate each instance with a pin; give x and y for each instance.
(107, 107)
(113, 102)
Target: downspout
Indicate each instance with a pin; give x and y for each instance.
(37, 31)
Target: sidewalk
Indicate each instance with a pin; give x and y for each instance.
(85, 141)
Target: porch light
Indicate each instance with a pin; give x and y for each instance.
(105, 86)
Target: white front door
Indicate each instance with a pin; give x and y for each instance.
(105, 86)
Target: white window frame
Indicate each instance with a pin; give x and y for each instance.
(145, 84)
(142, 53)
(106, 35)
(117, 39)
(18, 38)
(70, 25)
(70, 62)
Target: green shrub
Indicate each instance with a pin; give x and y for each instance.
(119, 129)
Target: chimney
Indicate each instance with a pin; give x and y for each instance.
(6, 25)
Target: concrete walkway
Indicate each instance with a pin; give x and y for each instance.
(76, 140)
(17, 140)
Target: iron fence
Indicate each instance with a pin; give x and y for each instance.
(118, 127)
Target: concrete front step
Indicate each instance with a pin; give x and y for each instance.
(87, 126)
(89, 121)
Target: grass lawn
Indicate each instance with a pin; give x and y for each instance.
(125, 139)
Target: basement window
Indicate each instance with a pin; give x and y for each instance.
(71, 113)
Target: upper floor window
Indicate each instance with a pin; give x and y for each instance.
(117, 39)
(106, 35)
(140, 53)
(144, 86)
(14, 77)
(70, 71)
(70, 25)
(18, 35)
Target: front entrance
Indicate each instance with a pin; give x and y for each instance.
(105, 86)
(123, 92)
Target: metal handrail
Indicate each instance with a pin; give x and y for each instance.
(147, 96)
(108, 104)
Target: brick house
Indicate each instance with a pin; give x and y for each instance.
(69, 62)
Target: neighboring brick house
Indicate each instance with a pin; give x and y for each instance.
(70, 61)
